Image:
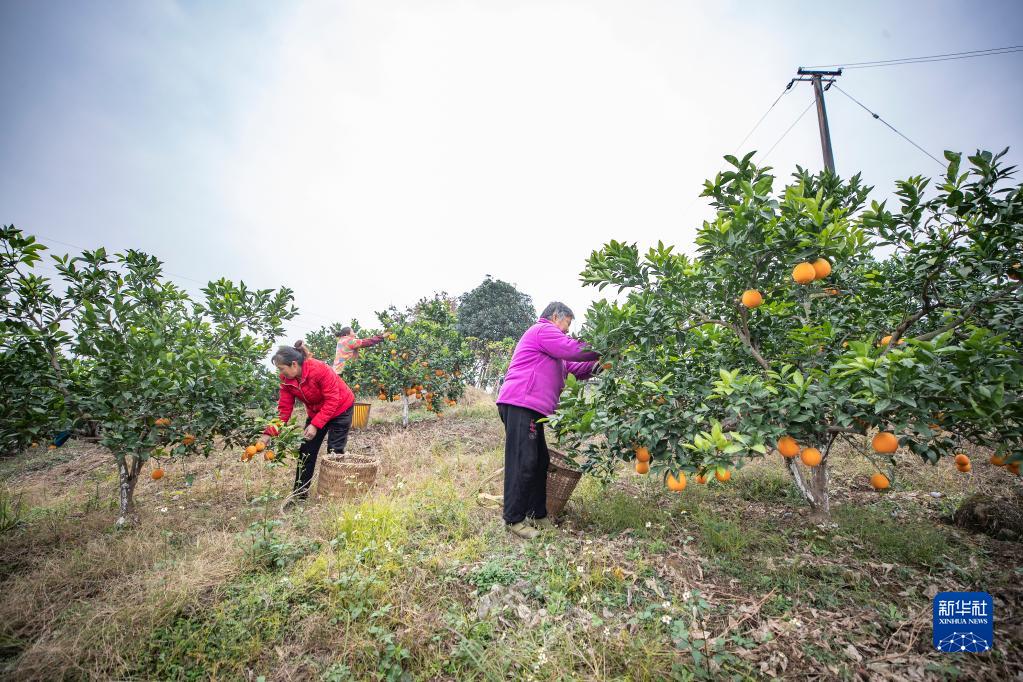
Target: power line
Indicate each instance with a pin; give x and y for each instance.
(878, 117)
(789, 129)
(948, 56)
(753, 130)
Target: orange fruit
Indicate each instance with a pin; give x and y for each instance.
(804, 273)
(1014, 467)
(885, 443)
(962, 460)
(832, 291)
(885, 341)
(163, 421)
(751, 298)
(723, 475)
(965, 468)
(157, 474)
(642, 467)
(676, 484)
(259, 445)
(269, 455)
(355, 387)
(251, 450)
(787, 446)
(439, 372)
(51, 446)
(188, 439)
(998, 460)
(811, 457)
(821, 268)
(879, 482)
(700, 478)
(642, 454)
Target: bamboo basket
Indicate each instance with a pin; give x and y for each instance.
(360, 416)
(343, 476)
(562, 478)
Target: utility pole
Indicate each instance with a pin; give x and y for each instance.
(819, 78)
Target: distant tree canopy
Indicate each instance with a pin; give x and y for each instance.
(495, 311)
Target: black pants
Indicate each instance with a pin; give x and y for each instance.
(526, 460)
(336, 431)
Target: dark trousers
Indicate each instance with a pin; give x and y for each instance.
(526, 460)
(336, 432)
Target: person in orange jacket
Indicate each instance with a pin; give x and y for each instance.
(348, 346)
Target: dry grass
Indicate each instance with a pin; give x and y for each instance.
(396, 581)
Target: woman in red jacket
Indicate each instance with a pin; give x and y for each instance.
(328, 404)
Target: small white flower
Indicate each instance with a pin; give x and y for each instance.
(580, 569)
(666, 605)
(584, 600)
(666, 619)
(387, 545)
(607, 632)
(163, 509)
(401, 484)
(233, 518)
(648, 524)
(687, 595)
(542, 658)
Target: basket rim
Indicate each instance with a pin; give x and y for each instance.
(351, 459)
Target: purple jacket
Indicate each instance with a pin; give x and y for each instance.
(542, 360)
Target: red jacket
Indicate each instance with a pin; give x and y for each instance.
(324, 394)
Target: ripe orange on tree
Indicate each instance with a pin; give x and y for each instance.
(157, 474)
(885, 443)
(879, 482)
(188, 439)
(804, 273)
(642, 454)
(751, 298)
(269, 455)
(642, 467)
(676, 484)
(998, 460)
(961, 459)
(788, 447)
(821, 268)
(811, 457)
(700, 478)
(722, 475)
(252, 450)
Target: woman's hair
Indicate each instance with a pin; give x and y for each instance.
(345, 331)
(557, 308)
(301, 345)
(286, 355)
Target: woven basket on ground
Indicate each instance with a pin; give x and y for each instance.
(344, 476)
(562, 477)
(360, 415)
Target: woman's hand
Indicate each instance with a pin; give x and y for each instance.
(309, 433)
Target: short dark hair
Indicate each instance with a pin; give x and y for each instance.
(286, 355)
(345, 331)
(557, 308)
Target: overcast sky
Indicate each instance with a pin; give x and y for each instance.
(371, 153)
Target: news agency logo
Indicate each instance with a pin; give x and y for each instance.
(963, 622)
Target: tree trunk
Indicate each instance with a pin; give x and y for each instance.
(814, 488)
(404, 410)
(128, 471)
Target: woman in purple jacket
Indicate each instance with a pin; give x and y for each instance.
(543, 358)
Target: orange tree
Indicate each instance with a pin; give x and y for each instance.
(425, 358)
(125, 354)
(788, 331)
